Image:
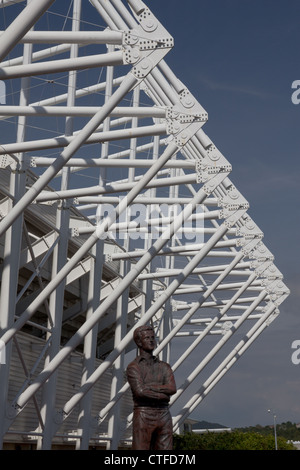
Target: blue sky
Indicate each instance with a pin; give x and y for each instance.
(240, 58)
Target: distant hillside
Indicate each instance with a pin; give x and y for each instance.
(207, 425)
(286, 430)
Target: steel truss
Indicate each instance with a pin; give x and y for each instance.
(116, 210)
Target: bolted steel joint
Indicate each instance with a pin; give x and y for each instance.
(234, 217)
(272, 272)
(131, 55)
(144, 67)
(249, 229)
(211, 185)
(205, 170)
(212, 164)
(261, 252)
(233, 200)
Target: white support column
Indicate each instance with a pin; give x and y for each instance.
(114, 424)
(12, 249)
(114, 428)
(166, 319)
(60, 255)
(148, 239)
(90, 346)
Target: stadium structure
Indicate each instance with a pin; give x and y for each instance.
(117, 210)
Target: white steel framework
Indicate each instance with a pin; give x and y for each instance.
(116, 210)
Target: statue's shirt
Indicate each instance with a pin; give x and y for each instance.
(151, 381)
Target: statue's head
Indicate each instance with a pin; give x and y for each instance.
(141, 333)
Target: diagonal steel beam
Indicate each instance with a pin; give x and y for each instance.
(140, 265)
(19, 27)
(69, 151)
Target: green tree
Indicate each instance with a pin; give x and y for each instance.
(235, 440)
(288, 430)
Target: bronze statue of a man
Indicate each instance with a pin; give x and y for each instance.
(152, 383)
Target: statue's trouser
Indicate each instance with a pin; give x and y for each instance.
(152, 429)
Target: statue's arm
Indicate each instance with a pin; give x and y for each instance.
(168, 385)
(168, 389)
(140, 389)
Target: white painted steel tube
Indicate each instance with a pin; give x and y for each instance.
(72, 37)
(175, 272)
(113, 188)
(26, 19)
(168, 72)
(78, 93)
(78, 337)
(90, 243)
(6, 3)
(118, 163)
(137, 224)
(60, 257)
(137, 6)
(80, 138)
(145, 318)
(198, 304)
(144, 200)
(176, 328)
(225, 308)
(42, 54)
(218, 346)
(94, 137)
(184, 250)
(11, 251)
(225, 365)
(103, 15)
(256, 286)
(62, 65)
(128, 279)
(139, 149)
(125, 14)
(112, 13)
(153, 111)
